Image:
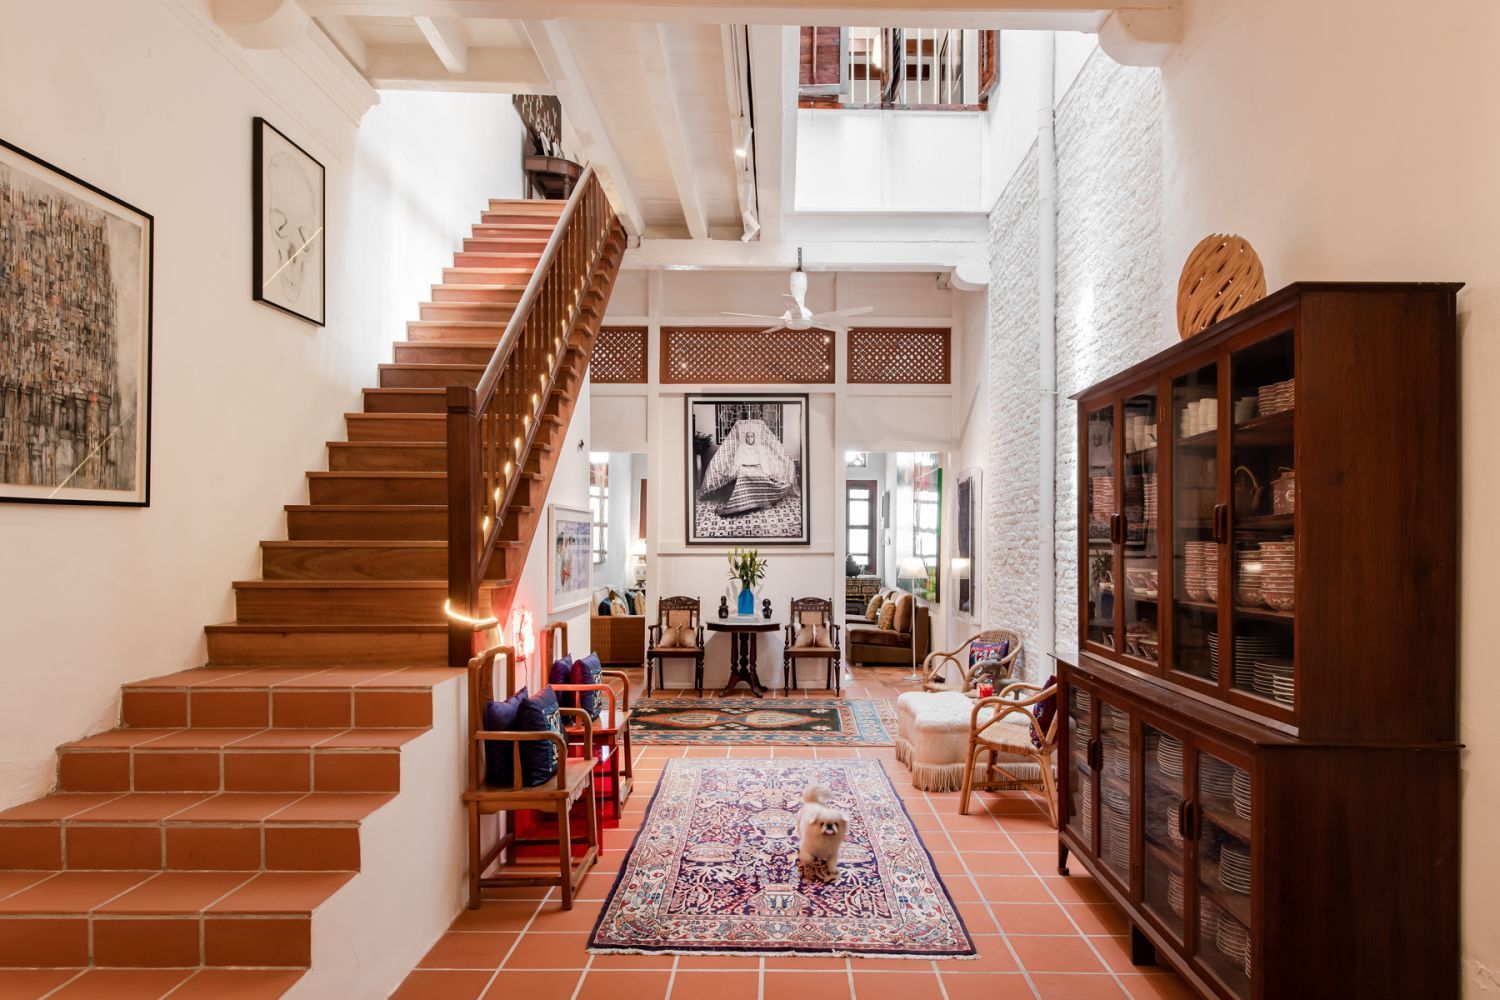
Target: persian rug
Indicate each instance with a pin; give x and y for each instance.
(714, 869)
(772, 722)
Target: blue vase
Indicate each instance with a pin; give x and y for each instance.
(746, 603)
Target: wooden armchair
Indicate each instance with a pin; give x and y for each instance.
(1005, 725)
(675, 612)
(556, 796)
(809, 612)
(612, 728)
(936, 668)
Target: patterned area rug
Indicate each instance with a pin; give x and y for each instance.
(713, 869)
(778, 722)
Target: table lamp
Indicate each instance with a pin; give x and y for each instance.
(913, 569)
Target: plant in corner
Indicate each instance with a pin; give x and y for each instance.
(749, 568)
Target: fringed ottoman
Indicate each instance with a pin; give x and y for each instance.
(932, 740)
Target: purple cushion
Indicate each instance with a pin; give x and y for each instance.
(562, 673)
(1045, 710)
(538, 714)
(988, 651)
(588, 671)
(500, 717)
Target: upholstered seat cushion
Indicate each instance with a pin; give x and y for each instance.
(932, 739)
(878, 637)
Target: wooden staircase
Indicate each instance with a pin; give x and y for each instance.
(190, 850)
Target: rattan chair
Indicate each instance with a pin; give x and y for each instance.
(612, 728)
(573, 781)
(936, 668)
(675, 612)
(808, 612)
(1003, 725)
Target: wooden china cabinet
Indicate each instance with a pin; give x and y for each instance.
(1260, 760)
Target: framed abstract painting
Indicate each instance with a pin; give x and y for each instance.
(75, 339)
(747, 470)
(571, 557)
(288, 200)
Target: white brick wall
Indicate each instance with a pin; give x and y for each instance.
(1109, 315)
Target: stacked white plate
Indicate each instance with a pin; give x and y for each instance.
(1118, 721)
(1233, 940)
(1115, 797)
(1149, 491)
(1241, 786)
(1101, 502)
(1174, 892)
(1278, 565)
(1084, 809)
(1201, 570)
(1169, 755)
(1083, 700)
(1273, 679)
(1247, 650)
(1169, 820)
(1234, 868)
(1117, 833)
(1277, 397)
(1209, 916)
(1216, 777)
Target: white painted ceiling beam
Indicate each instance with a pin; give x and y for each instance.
(347, 38)
(773, 65)
(1072, 15)
(446, 36)
(968, 261)
(488, 70)
(555, 53)
(1141, 38)
(651, 41)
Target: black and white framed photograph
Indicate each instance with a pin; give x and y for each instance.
(75, 339)
(289, 253)
(967, 550)
(747, 470)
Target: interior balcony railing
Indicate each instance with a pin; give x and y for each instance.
(911, 69)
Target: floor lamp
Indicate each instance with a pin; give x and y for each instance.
(914, 570)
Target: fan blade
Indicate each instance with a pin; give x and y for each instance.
(792, 303)
(842, 313)
(773, 329)
(753, 316)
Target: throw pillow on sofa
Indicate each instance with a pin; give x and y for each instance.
(872, 610)
(887, 615)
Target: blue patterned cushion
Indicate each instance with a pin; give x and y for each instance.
(562, 673)
(988, 651)
(538, 714)
(588, 671)
(500, 717)
(1045, 710)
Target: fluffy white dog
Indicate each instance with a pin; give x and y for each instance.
(820, 828)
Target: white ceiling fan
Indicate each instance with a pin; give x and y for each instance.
(797, 315)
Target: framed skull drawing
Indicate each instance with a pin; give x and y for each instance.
(289, 218)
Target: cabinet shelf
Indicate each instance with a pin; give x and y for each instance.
(1265, 522)
(1272, 431)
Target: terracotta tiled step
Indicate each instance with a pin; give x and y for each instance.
(357, 560)
(429, 376)
(496, 258)
(188, 831)
(500, 244)
(460, 352)
(284, 698)
(180, 984)
(351, 522)
(475, 331)
(234, 760)
(487, 275)
(164, 920)
(377, 487)
(413, 602)
(396, 426)
(384, 644)
(387, 456)
(406, 401)
(477, 294)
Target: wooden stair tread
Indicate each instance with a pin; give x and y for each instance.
(318, 629)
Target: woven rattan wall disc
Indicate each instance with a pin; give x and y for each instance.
(1222, 276)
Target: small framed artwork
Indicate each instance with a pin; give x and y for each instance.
(747, 470)
(290, 241)
(571, 563)
(966, 551)
(75, 339)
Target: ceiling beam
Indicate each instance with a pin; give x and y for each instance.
(446, 36)
(966, 257)
(488, 70)
(773, 63)
(660, 83)
(349, 42)
(1068, 15)
(555, 53)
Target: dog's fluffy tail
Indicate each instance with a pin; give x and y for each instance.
(817, 794)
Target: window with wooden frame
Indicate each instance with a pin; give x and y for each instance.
(913, 69)
(859, 520)
(599, 503)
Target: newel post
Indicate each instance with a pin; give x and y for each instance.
(464, 486)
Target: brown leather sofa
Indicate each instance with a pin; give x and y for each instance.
(872, 646)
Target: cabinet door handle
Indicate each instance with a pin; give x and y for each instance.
(1116, 532)
(1221, 523)
(1182, 808)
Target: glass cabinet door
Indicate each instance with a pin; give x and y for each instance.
(1115, 742)
(1080, 770)
(1103, 522)
(1262, 511)
(1226, 870)
(1195, 499)
(1141, 581)
(1163, 856)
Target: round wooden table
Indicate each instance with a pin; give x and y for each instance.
(742, 632)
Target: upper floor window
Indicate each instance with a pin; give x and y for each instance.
(919, 69)
(599, 503)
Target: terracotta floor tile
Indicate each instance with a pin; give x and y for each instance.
(147, 942)
(1033, 918)
(121, 984)
(147, 807)
(236, 984)
(468, 950)
(496, 915)
(30, 984)
(278, 942)
(176, 771)
(333, 807)
(312, 848)
(799, 964)
(533, 986)
(442, 984)
(176, 892)
(154, 708)
(980, 863)
(993, 956)
(614, 985)
(1098, 918)
(213, 848)
(700, 963)
(12, 882)
(296, 709)
(287, 739)
(94, 771)
(114, 847)
(780, 985)
(550, 951)
(1012, 889)
(237, 807)
(1165, 986)
(374, 738)
(42, 942)
(969, 841)
(211, 708)
(1056, 954)
(392, 709)
(268, 771)
(896, 985)
(58, 806)
(555, 918)
(718, 985)
(71, 892)
(1074, 888)
(633, 963)
(977, 918)
(282, 892)
(38, 848)
(119, 738)
(200, 739)
(1078, 987)
(356, 771)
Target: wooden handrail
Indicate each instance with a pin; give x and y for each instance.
(491, 427)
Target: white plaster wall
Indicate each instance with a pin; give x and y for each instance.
(907, 161)
(148, 102)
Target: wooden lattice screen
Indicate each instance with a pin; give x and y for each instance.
(745, 356)
(619, 355)
(900, 357)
